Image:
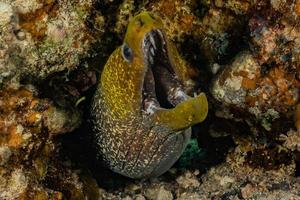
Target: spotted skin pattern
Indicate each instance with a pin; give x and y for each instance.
(129, 141)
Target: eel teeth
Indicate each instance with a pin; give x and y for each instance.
(152, 51)
(152, 41)
(180, 94)
(162, 36)
(151, 106)
(151, 60)
(177, 95)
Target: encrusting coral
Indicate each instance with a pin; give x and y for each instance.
(27, 127)
(247, 53)
(40, 38)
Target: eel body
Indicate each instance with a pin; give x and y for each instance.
(142, 111)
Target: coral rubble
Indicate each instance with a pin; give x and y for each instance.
(27, 127)
(248, 56)
(39, 38)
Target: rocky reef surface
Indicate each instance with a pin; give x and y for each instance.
(248, 55)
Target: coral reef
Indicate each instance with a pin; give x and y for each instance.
(247, 52)
(260, 89)
(42, 37)
(266, 96)
(230, 180)
(28, 125)
(39, 39)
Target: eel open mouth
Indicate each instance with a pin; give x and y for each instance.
(162, 88)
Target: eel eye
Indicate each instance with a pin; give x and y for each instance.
(127, 53)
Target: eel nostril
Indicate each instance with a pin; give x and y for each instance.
(152, 16)
(141, 22)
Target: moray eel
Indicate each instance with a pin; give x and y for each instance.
(141, 111)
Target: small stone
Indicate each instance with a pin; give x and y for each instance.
(226, 181)
(127, 198)
(133, 188)
(196, 172)
(292, 140)
(158, 193)
(21, 35)
(247, 191)
(151, 193)
(139, 197)
(164, 194)
(215, 68)
(187, 195)
(188, 180)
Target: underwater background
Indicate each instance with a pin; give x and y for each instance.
(247, 52)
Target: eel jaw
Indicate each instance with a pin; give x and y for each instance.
(161, 88)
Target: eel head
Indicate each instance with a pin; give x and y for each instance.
(151, 79)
